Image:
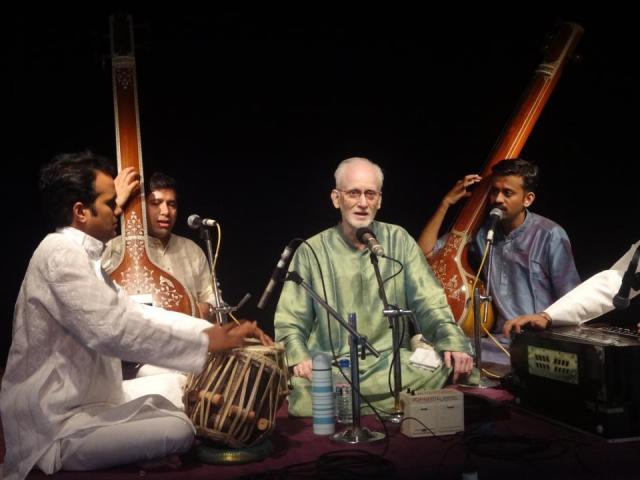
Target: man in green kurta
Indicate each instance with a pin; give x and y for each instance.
(305, 328)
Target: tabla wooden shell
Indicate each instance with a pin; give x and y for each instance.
(235, 398)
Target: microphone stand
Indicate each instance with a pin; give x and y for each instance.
(221, 309)
(394, 315)
(357, 344)
(478, 301)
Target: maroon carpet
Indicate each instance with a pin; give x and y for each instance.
(499, 442)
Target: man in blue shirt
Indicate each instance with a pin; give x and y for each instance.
(532, 263)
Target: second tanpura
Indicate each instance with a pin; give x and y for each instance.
(450, 264)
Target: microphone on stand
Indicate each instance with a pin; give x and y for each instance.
(629, 279)
(195, 221)
(278, 272)
(496, 215)
(366, 236)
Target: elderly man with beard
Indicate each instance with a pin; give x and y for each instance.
(351, 285)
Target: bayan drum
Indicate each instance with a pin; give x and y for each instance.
(235, 398)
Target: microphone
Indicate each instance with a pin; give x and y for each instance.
(195, 221)
(366, 236)
(621, 300)
(496, 215)
(281, 267)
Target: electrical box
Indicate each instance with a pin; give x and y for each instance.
(436, 412)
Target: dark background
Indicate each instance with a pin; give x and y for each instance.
(252, 109)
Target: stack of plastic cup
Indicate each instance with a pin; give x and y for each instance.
(322, 397)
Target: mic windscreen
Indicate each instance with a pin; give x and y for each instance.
(495, 215)
(361, 232)
(496, 212)
(194, 221)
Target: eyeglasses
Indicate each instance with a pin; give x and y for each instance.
(355, 194)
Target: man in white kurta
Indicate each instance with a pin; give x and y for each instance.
(63, 372)
(589, 300)
(62, 402)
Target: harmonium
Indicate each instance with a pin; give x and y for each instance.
(586, 377)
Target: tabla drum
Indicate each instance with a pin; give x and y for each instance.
(278, 354)
(235, 398)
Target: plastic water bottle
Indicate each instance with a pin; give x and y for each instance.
(342, 388)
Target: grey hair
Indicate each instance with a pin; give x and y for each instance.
(345, 163)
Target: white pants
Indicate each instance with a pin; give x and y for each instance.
(168, 383)
(129, 442)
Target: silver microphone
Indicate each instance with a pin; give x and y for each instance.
(367, 237)
(195, 221)
(496, 215)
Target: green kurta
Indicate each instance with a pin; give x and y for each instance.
(352, 287)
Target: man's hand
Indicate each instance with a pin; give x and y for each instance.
(265, 339)
(257, 332)
(229, 335)
(462, 364)
(429, 235)
(459, 190)
(303, 369)
(127, 182)
(536, 321)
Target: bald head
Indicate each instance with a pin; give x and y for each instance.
(340, 172)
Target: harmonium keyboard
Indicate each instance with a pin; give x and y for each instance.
(587, 377)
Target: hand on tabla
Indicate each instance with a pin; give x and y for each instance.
(229, 335)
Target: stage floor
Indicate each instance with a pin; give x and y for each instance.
(500, 441)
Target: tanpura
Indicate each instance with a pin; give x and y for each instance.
(450, 264)
(136, 272)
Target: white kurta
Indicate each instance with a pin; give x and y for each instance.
(594, 296)
(71, 326)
